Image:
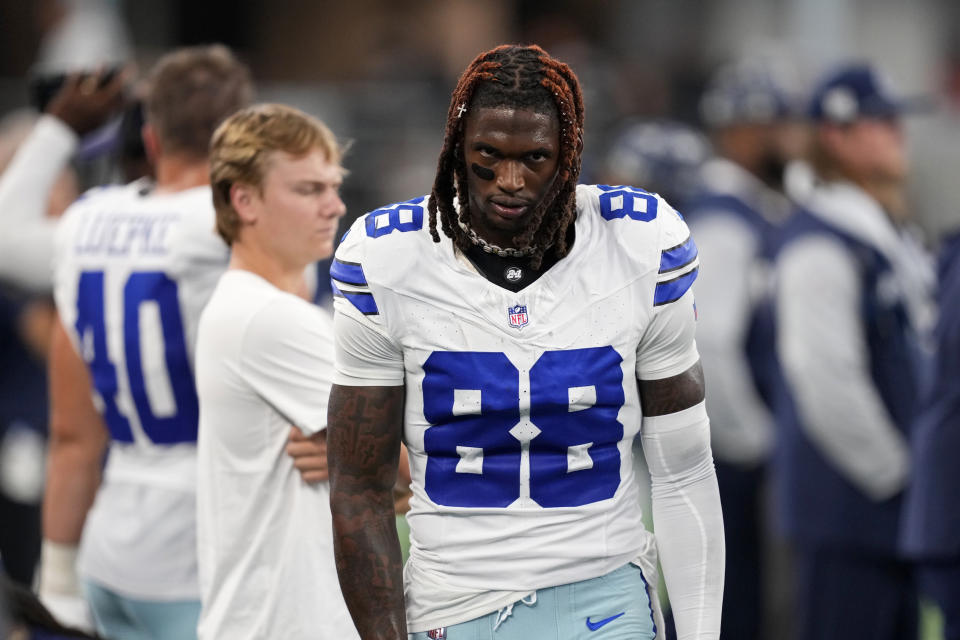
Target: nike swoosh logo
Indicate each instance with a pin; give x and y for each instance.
(593, 626)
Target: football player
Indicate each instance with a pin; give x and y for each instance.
(517, 330)
(133, 267)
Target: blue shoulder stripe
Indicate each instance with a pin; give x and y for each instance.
(679, 256)
(671, 290)
(364, 302)
(348, 272)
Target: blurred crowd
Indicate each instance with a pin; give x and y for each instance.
(827, 323)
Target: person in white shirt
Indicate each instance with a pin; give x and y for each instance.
(134, 265)
(265, 360)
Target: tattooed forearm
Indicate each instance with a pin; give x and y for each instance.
(669, 395)
(363, 446)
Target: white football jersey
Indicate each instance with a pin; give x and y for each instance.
(132, 271)
(521, 408)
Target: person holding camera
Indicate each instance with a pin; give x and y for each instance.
(28, 188)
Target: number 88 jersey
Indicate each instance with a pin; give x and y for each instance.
(521, 407)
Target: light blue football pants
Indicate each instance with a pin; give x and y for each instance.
(121, 618)
(616, 606)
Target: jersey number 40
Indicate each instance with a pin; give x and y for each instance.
(474, 448)
(141, 287)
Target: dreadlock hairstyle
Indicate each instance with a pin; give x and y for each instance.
(523, 77)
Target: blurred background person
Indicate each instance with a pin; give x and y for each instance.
(931, 519)
(661, 156)
(749, 108)
(39, 182)
(36, 185)
(852, 302)
(134, 265)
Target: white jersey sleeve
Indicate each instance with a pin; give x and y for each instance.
(668, 347)
(365, 354)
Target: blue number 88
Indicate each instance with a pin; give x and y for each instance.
(472, 400)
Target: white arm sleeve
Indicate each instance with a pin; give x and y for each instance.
(740, 421)
(365, 356)
(26, 234)
(822, 347)
(287, 357)
(688, 522)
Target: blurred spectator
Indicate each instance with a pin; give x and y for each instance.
(119, 252)
(931, 519)
(661, 156)
(749, 110)
(80, 35)
(25, 323)
(34, 184)
(852, 299)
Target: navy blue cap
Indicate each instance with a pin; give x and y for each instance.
(663, 156)
(859, 91)
(747, 91)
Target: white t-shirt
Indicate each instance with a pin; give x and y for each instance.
(265, 537)
(521, 407)
(132, 270)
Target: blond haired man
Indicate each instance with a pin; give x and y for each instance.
(265, 360)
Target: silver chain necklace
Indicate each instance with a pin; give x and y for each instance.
(487, 247)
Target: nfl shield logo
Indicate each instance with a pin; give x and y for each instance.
(437, 634)
(518, 316)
